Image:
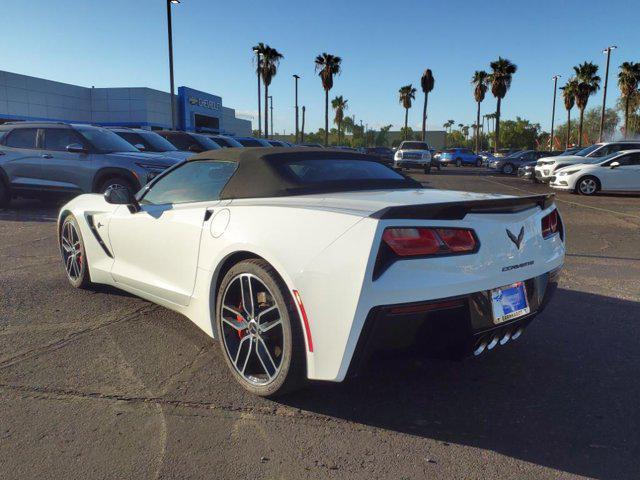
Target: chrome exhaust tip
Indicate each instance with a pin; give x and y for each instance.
(506, 337)
(480, 347)
(517, 333)
(494, 341)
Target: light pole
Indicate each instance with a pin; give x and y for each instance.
(604, 96)
(258, 53)
(296, 77)
(553, 112)
(302, 129)
(271, 113)
(171, 83)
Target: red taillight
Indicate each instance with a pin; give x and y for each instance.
(410, 242)
(550, 224)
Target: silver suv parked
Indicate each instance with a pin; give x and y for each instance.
(44, 158)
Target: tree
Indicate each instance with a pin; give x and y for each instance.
(588, 84)
(519, 133)
(407, 94)
(382, 138)
(327, 66)
(258, 50)
(628, 79)
(270, 59)
(339, 104)
(500, 79)
(591, 124)
(568, 96)
(426, 82)
(634, 113)
(479, 81)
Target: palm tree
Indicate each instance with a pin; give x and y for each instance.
(500, 79)
(588, 84)
(259, 50)
(339, 104)
(569, 96)
(479, 81)
(268, 69)
(628, 79)
(426, 82)
(465, 132)
(327, 66)
(407, 93)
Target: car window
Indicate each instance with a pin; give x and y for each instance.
(181, 141)
(250, 142)
(206, 142)
(628, 160)
(59, 138)
(334, 170)
(105, 141)
(608, 149)
(152, 142)
(22, 138)
(199, 181)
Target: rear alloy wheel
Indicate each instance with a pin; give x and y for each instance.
(588, 186)
(458, 162)
(73, 253)
(259, 330)
(508, 169)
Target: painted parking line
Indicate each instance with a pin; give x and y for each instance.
(577, 204)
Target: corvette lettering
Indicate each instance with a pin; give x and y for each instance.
(520, 265)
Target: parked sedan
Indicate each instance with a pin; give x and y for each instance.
(617, 172)
(509, 165)
(299, 261)
(460, 157)
(148, 141)
(189, 141)
(384, 154)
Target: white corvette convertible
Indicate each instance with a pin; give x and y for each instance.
(303, 260)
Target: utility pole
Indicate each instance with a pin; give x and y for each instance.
(171, 82)
(271, 113)
(302, 130)
(604, 96)
(553, 112)
(296, 77)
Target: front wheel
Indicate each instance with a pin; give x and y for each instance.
(458, 162)
(588, 186)
(73, 253)
(478, 163)
(259, 329)
(114, 183)
(507, 169)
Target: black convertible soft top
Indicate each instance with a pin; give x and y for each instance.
(263, 172)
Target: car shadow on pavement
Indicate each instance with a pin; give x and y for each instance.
(564, 396)
(31, 211)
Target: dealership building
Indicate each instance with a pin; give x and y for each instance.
(30, 98)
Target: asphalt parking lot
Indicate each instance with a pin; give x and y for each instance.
(105, 385)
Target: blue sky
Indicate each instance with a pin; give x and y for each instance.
(384, 45)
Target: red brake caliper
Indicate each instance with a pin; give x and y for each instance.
(239, 319)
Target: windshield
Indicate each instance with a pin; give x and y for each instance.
(596, 160)
(206, 142)
(105, 141)
(335, 170)
(227, 142)
(414, 146)
(152, 142)
(586, 151)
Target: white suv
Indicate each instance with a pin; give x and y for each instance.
(545, 167)
(411, 154)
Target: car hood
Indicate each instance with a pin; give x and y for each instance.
(176, 154)
(364, 203)
(144, 157)
(575, 165)
(567, 158)
(407, 150)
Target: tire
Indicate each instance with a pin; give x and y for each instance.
(116, 182)
(508, 169)
(478, 163)
(458, 162)
(74, 258)
(5, 195)
(588, 185)
(283, 341)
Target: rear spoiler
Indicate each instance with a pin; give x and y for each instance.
(459, 210)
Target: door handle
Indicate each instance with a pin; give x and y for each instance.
(46, 155)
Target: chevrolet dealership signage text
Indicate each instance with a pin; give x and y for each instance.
(201, 102)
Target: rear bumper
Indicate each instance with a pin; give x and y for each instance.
(451, 327)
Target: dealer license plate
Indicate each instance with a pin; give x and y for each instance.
(509, 302)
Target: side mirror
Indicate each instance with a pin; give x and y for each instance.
(76, 148)
(121, 196)
(195, 148)
(140, 147)
(614, 164)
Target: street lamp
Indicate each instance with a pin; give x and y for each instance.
(171, 83)
(258, 53)
(604, 96)
(296, 77)
(271, 113)
(553, 112)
